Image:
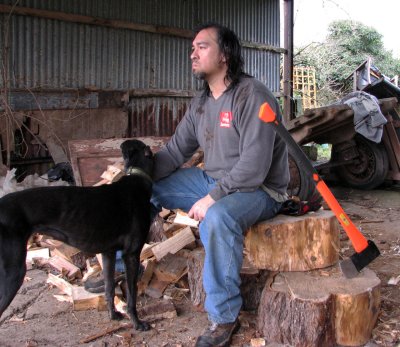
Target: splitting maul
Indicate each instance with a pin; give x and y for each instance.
(366, 250)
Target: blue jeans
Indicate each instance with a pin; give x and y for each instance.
(221, 233)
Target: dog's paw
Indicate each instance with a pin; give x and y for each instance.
(117, 316)
(142, 326)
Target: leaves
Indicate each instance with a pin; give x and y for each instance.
(347, 45)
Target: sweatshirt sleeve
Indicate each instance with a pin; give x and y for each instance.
(256, 147)
(178, 149)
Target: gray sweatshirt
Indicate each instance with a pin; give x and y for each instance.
(241, 152)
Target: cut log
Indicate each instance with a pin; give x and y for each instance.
(62, 265)
(37, 253)
(164, 213)
(113, 172)
(171, 268)
(146, 276)
(83, 300)
(288, 243)
(60, 283)
(71, 254)
(319, 308)
(156, 232)
(160, 309)
(183, 218)
(147, 252)
(155, 288)
(253, 282)
(174, 244)
(101, 182)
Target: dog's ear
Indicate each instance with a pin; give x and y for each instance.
(147, 152)
(123, 146)
(127, 147)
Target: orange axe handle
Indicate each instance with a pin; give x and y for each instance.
(357, 239)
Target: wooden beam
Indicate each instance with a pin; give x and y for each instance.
(77, 18)
(161, 92)
(263, 47)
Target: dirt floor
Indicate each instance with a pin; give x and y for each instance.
(37, 317)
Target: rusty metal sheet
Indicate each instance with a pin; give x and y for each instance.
(89, 158)
(24, 100)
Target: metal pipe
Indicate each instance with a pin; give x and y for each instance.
(288, 61)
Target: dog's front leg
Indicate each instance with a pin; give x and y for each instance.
(109, 284)
(132, 263)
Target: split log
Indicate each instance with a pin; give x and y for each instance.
(113, 172)
(159, 309)
(171, 268)
(37, 253)
(319, 308)
(156, 232)
(62, 265)
(253, 282)
(60, 283)
(71, 254)
(147, 252)
(183, 218)
(174, 244)
(288, 243)
(155, 288)
(144, 281)
(83, 300)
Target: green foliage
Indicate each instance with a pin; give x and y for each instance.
(347, 45)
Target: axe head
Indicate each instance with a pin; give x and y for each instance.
(352, 266)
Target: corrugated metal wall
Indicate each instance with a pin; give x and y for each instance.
(57, 54)
(53, 54)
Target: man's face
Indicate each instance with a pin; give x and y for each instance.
(207, 59)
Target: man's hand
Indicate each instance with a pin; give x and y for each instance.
(199, 209)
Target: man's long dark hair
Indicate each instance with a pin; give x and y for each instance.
(229, 45)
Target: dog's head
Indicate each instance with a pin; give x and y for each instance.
(137, 155)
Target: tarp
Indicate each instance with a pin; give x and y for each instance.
(368, 118)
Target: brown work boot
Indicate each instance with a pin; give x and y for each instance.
(218, 334)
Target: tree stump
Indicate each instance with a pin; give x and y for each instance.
(291, 243)
(253, 282)
(319, 308)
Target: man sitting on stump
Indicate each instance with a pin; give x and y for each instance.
(245, 174)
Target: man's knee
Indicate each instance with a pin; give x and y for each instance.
(219, 219)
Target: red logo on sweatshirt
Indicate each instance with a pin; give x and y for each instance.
(225, 118)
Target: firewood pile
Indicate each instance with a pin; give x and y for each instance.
(290, 276)
(172, 237)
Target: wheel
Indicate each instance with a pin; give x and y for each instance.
(370, 168)
(301, 183)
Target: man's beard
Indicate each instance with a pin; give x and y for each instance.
(199, 75)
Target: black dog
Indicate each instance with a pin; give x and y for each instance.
(100, 219)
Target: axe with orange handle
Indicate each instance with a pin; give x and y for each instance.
(366, 250)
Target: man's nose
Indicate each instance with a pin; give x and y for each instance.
(194, 54)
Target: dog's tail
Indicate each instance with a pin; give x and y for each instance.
(12, 267)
